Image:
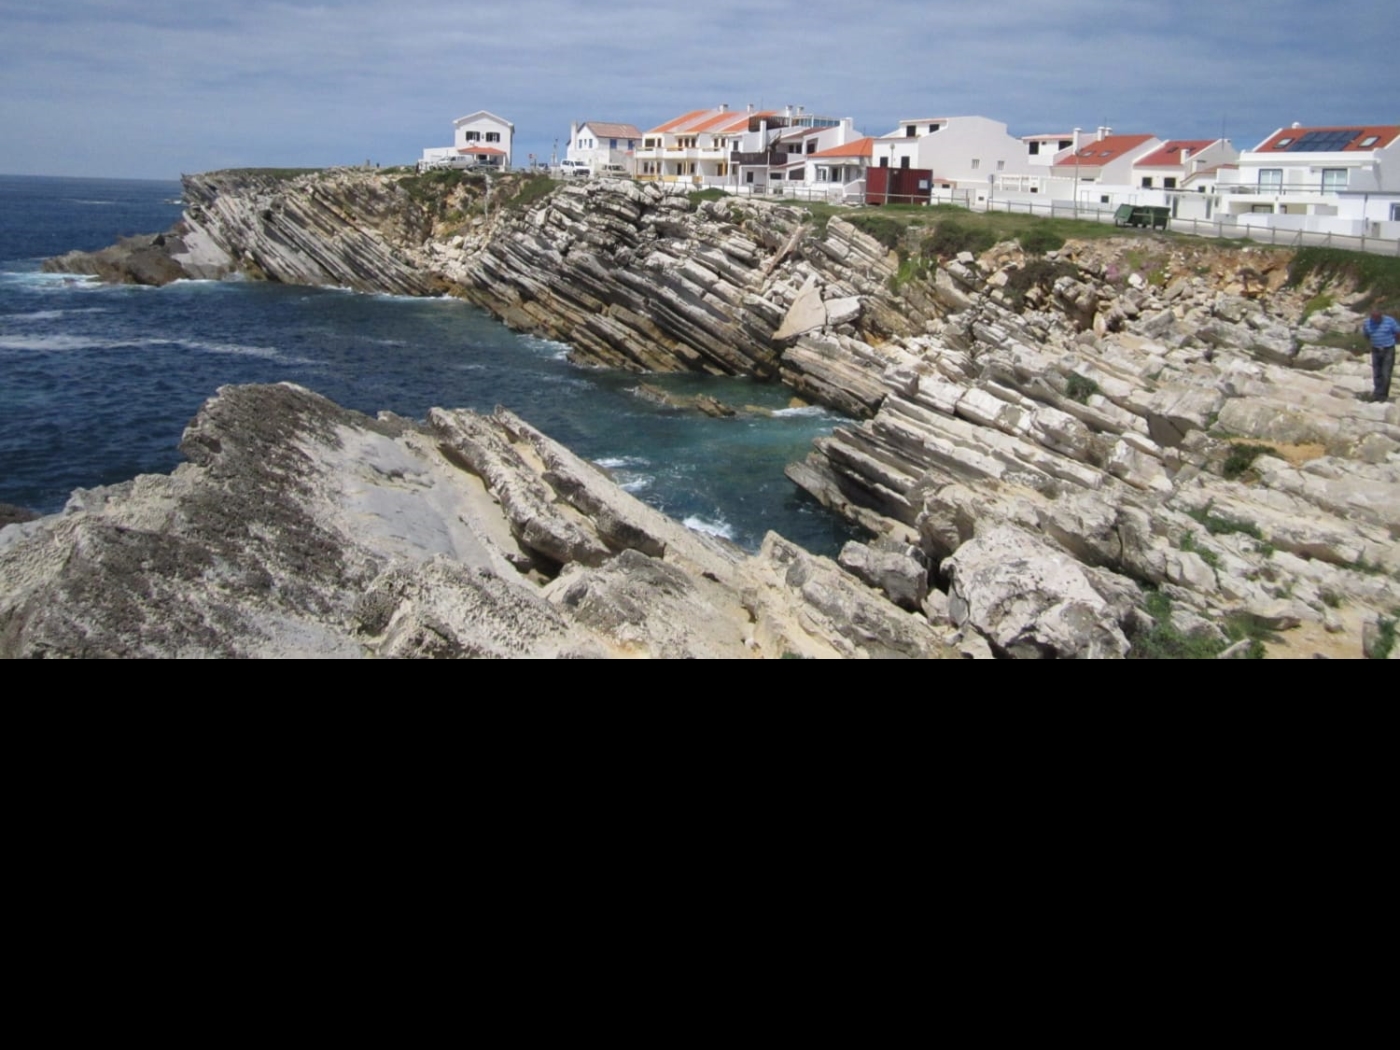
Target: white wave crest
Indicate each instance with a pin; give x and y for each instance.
(721, 529)
(640, 483)
(47, 343)
(810, 412)
(622, 462)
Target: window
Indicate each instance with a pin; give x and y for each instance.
(904, 163)
(884, 162)
(748, 177)
(1334, 180)
(1283, 143)
(473, 136)
(811, 146)
(911, 132)
(1271, 179)
(1066, 143)
(1169, 183)
(612, 143)
(1147, 182)
(651, 143)
(1001, 165)
(1103, 198)
(1395, 213)
(1369, 141)
(689, 142)
(1035, 149)
(493, 136)
(823, 174)
(976, 165)
(934, 127)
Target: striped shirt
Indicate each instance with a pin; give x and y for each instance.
(1382, 333)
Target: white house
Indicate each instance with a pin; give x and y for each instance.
(754, 151)
(964, 153)
(1341, 179)
(599, 144)
(481, 140)
(1181, 163)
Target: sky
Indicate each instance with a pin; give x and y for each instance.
(157, 88)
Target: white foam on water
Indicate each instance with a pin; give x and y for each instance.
(721, 529)
(49, 343)
(622, 462)
(40, 315)
(810, 412)
(640, 483)
(94, 204)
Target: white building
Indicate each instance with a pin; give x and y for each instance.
(751, 151)
(964, 153)
(599, 144)
(1183, 164)
(1342, 179)
(481, 140)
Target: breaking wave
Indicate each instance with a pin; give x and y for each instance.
(720, 529)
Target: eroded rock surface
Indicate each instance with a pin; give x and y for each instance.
(301, 529)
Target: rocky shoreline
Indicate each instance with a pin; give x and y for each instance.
(1103, 450)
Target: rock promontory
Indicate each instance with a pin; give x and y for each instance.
(1102, 447)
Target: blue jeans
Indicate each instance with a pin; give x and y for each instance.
(1382, 364)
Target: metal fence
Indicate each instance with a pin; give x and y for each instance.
(1220, 229)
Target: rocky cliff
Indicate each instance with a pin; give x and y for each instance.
(1110, 447)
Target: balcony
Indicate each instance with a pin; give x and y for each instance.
(759, 160)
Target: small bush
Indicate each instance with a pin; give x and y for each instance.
(1038, 273)
(888, 232)
(1080, 388)
(1040, 240)
(1165, 642)
(1241, 458)
(699, 197)
(1387, 626)
(951, 238)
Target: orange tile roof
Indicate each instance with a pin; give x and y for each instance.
(858, 148)
(680, 122)
(1104, 151)
(1385, 134)
(612, 131)
(1169, 156)
(482, 151)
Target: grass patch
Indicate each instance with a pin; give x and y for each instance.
(528, 192)
(1166, 642)
(1376, 275)
(1189, 546)
(699, 197)
(1354, 342)
(1038, 273)
(953, 237)
(1041, 239)
(1317, 304)
(1387, 627)
(888, 231)
(1218, 526)
(279, 174)
(1080, 388)
(1241, 459)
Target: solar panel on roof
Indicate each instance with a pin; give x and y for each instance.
(1325, 141)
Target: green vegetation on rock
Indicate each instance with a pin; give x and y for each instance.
(1377, 275)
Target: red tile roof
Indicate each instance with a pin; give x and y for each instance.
(482, 151)
(1385, 134)
(1169, 156)
(680, 122)
(1104, 151)
(710, 120)
(612, 131)
(858, 148)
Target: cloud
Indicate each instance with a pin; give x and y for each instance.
(156, 87)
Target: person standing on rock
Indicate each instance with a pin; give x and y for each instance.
(1381, 330)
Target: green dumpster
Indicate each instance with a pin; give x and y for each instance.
(1142, 217)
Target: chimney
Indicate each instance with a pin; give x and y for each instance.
(787, 111)
(724, 107)
(801, 110)
(1103, 133)
(1185, 154)
(1296, 126)
(1077, 133)
(751, 107)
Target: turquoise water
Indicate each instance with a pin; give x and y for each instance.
(97, 383)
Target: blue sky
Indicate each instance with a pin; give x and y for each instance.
(154, 88)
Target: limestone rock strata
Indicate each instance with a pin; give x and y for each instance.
(1053, 464)
(300, 529)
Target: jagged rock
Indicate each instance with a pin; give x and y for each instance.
(1030, 600)
(301, 529)
(10, 515)
(899, 570)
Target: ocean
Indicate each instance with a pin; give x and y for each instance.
(97, 382)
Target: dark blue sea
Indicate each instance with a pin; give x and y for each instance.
(97, 383)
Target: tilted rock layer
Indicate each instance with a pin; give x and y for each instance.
(1040, 440)
(298, 528)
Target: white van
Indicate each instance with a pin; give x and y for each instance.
(574, 169)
